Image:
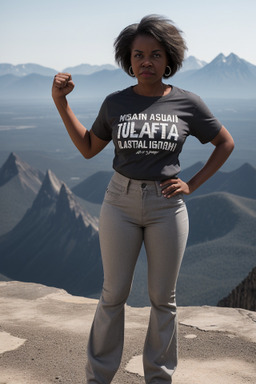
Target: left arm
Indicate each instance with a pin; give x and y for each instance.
(224, 145)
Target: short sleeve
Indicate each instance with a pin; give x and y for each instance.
(204, 125)
(101, 127)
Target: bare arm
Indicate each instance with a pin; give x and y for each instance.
(224, 145)
(85, 141)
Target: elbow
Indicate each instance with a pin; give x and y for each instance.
(226, 141)
(227, 147)
(230, 145)
(86, 149)
(87, 155)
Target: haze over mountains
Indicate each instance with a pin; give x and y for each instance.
(223, 77)
(30, 68)
(191, 63)
(56, 242)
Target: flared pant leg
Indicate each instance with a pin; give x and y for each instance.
(165, 241)
(121, 242)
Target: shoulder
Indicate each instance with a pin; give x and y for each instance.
(190, 100)
(186, 95)
(117, 94)
(113, 101)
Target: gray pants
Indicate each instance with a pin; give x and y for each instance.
(134, 211)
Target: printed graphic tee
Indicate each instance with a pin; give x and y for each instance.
(148, 132)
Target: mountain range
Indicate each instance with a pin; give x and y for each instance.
(56, 241)
(228, 76)
(190, 63)
(223, 77)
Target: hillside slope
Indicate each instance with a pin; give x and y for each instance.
(56, 243)
(19, 185)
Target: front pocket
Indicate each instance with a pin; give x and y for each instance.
(114, 191)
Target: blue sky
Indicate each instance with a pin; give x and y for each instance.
(65, 33)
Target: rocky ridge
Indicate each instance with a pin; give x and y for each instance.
(244, 295)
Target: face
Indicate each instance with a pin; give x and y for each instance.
(148, 59)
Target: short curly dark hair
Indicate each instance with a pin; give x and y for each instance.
(163, 30)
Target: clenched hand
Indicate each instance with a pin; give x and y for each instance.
(62, 85)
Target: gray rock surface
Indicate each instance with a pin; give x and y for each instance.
(244, 295)
(44, 331)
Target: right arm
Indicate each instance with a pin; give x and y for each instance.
(85, 141)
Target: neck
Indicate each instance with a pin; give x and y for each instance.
(152, 90)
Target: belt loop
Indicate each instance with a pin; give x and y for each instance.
(128, 181)
(158, 188)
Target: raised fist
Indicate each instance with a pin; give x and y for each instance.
(62, 85)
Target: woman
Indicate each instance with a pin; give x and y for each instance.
(148, 124)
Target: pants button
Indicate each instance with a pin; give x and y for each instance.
(143, 185)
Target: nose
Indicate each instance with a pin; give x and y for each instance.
(146, 63)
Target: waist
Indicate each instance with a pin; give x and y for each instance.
(128, 183)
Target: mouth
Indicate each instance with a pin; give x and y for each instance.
(146, 74)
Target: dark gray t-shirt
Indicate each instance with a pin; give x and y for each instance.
(149, 132)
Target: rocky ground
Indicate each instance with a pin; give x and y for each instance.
(44, 331)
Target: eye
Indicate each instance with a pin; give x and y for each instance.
(157, 55)
(138, 55)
